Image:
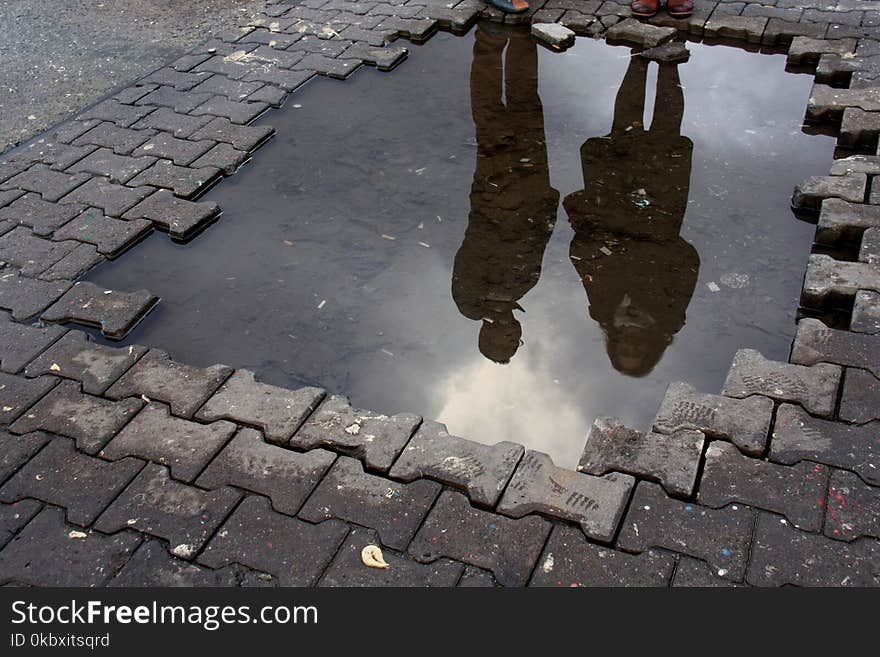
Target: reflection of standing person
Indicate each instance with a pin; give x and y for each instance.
(639, 274)
(513, 207)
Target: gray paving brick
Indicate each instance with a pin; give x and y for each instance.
(113, 199)
(45, 553)
(816, 343)
(9, 195)
(15, 516)
(166, 120)
(27, 297)
(110, 236)
(348, 570)
(70, 130)
(373, 438)
(270, 94)
(278, 412)
(815, 387)
(180, 80)
(672, 459)
(76, 357)
(784, 555)
(220, 85)
(569, 560)
(747, 28)
(840, 220)
(284, 476)
(16, 450)
(91, 421)
(280, 77)
(869, 164)
(236, 111)
(482, 471)
(182, 219)
(860, 401)
(130, 95)
(690, 572)
(334, 68)
(115, 313)
(383, 58)
(852, 507)
(235, 65)
(827, 279)
(223, 157)
(183, 387)
(186, 447)
(74, 264)
(781, 32)
(745, 423)
(829, 103)
(42, 217)
(115, 112)
(809, 195)
(294, 552)
(118, 168)
(395, 510)
(31, 254)
(869, 251)
(20, 343)
(183, 515)
(243, 138)
(720, 537)
(414, 29)
(60, 475)
(474, 578)
(17, 394)
(795, 492)
(866, 313)
(269, 38)
(181, 152)
(152, 566)
(804, 50)
(797, 436)
(120, 140)
(51, 185)
(57, 155)
(179, 101)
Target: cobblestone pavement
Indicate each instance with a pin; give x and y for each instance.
(124, 467)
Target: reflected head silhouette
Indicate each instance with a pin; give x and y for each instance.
(500, 338)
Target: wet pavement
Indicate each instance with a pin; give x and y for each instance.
(503, 238)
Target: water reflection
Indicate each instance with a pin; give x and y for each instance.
(513, 206)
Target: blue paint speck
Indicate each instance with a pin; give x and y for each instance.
(725, 552)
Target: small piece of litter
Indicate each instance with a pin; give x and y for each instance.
(605, 250)
(713, 286)
(183, 550)
(321, 305)
(388, 237)
(288, 243)
(427, 246)
(55, 367)
(297, 106)
(76, 534)
(372, 557)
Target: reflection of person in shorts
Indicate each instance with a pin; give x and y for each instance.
(513, 207)
(639, 274)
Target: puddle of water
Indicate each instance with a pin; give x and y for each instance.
(509, 240)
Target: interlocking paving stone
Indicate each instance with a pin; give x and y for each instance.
(810, 194)
(690, 572)
(183, 181)
(76, 357)
(183, 515)
(15, 516)
(152, 566)
(841, 220)
(284, 476)
(374, 438)
(120, 140)
(816, 343)
(224, 158)
(796, 492)
(748, 28)
(804, 50)
(720, 537)
(858, 127)
(179, 217)
(118, 168)
(235, 65)
(115, 313)
(186, 447)
(814, 387)
(569, 560)
(860, 401)
(49, 184)
(167, 120)
(827, 277)
(474, 577)
(74, 264)
(798, 436)
(20, 343)
(745, 423)
(828, 102)
(32, 255)
(347, 569)
(852, 507)
(236, 111)
(595, 503)
(669, 52)
(480, 470)
(784, 555)
(180, 80)
(57, 155)
(293, 551)
(414, 29)
(672, 459)
(870, 249)
(44, 553)
(8, 196)
(869, 164)
(16, 450)
(395, 510)
(183, 387)
(42, 217)
(223, 86)
(26, 297)
(281, 77)
(91, 421)
(115, 112)
(781, 32)
(60, 475)
(866, 313)
(179, 101)
(131, 95)
(181, 152)
(266, 37)
(334, 68)
(17, 394)
(272, 95)
(110, 236)
(454, 529)
(384, 59)
(278, 412)
(243, 138)
(70, 130)
(113, 199)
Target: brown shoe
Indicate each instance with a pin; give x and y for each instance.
(680, 8)
(644, 8)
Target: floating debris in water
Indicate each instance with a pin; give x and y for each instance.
(321, 305)
(605, 250)
(638, 197)
(713, 286)
(427, 246)
(388, 237)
